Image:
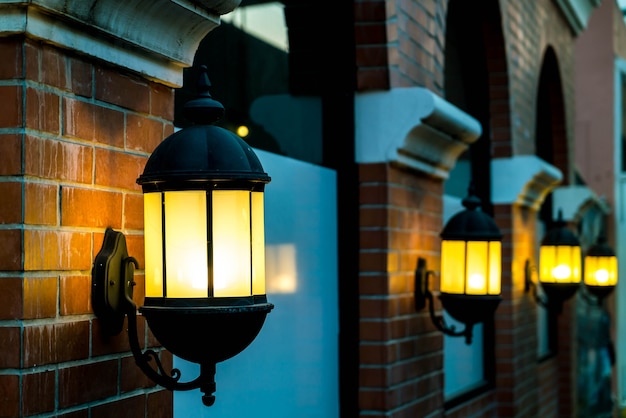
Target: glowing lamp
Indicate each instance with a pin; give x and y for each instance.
(470, 269)
(204, 250)
(600, 269)
(560, 269)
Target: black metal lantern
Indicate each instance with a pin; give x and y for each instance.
(470, 269)
(560, 267)
(600, 268)
(204, 243)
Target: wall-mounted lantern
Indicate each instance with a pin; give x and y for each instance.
(600, 266)
(470, 270)
(560, 268)
(204, 246)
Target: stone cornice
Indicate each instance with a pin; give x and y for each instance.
(523, 179)
(577, 12)
(412, 127)
(156, 38)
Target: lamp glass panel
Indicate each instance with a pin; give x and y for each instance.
(452, 267)
(477, 268)
(186, 254)
(153, 238)
(601, 271)
(560, 264)
(232, 260)
(495, 267)
(258, 244)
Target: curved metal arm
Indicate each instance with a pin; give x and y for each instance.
(423, 294)
(112, 298)
(529, 285)
(205, 381)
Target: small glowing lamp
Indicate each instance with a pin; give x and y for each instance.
(600, 268)
(560, 269)
(470, 269)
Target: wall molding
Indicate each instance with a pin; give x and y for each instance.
(156, 39)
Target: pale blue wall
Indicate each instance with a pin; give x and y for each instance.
(291, 369)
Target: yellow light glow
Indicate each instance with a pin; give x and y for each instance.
(153, 239)
(243, 131)
(281, 268)
(258, 244)
(232, 269)
(561, 272)
(559, 264)
(601, 270)
(452, 267)
(495, 267)
(476, 284)
(186, 244)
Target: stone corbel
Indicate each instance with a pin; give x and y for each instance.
(412, 127)
(155, 38)
(574, 201)
(577, 12)
(523, 179)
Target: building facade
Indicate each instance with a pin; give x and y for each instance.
(406, 101)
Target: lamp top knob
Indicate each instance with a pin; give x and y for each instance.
(203, 109)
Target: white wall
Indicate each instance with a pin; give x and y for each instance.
(291, 369)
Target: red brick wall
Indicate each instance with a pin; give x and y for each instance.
(74, 136)
(401, 44)
(400, 349)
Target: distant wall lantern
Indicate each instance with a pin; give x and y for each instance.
(600, 266)
(560, 269)
(470, 270)
(204, 246)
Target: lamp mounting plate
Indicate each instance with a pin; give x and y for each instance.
(112, 282)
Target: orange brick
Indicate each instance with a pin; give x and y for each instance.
(93, 123)
(75, 390)
(40, 297)
(142, 133)
(75, 295)
(10, 347)
(122, 90)
(57, 250)
(93, 208)
(10, 249)
(41, 203)
(11, 298)
(42, 110)
(160, 404)
(132, 407)
(11, 203)
(162, 101)
(133, 211)
(11, 53)
(38, 393)
(55, 343)
(10, 395)
(116, 169)
(81, 77)
(10, 155)
(58, 160)
(10, 106)
(53, 67)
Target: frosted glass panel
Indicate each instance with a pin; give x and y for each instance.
(231, 243)
(452, 266)
(153, 239)
(186, 244)
(258, 244)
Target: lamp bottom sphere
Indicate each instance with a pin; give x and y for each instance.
(470, 309)
(207, 334)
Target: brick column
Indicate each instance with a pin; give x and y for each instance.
(406, 142)
(80, 113)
